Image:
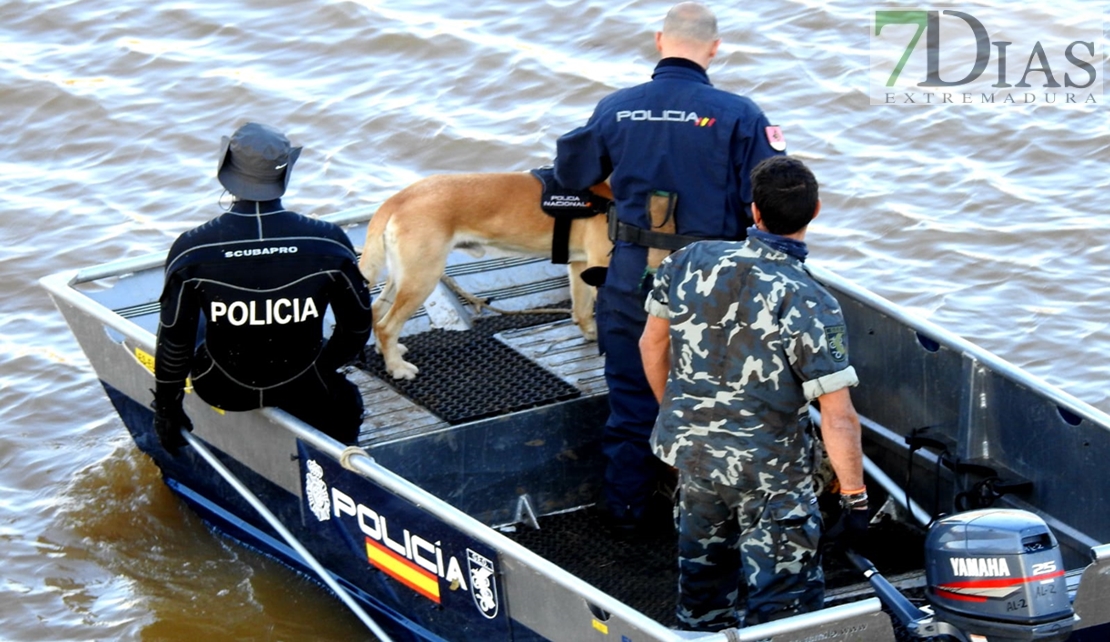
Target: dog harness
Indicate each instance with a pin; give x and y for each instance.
(565, 205)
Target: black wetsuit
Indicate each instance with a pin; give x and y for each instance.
(262, 278)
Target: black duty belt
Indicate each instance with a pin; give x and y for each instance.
(647, 238)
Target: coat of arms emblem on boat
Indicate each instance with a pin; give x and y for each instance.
(482, 584)
(316, 491)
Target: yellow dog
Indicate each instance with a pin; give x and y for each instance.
(415, 230)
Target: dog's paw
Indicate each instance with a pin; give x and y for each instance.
(401, 349)
(589, 330)
(403, 370)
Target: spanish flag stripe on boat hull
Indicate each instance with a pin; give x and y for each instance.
(403, 571)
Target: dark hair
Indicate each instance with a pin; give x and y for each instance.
(785, 191)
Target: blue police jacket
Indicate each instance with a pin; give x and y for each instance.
(676, 133)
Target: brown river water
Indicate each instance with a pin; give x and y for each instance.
(990, 220)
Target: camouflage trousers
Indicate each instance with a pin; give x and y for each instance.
(730, 539)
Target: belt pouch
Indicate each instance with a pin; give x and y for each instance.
(661, 213)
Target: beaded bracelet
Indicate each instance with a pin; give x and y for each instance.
(854, 501)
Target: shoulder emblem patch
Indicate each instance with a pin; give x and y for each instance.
(835, 337)
(775, 138)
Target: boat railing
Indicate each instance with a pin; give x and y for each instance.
(955, 342)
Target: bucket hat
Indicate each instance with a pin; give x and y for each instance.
(255, 162)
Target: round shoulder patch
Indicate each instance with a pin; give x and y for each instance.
(775, 138)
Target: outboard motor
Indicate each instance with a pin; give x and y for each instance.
(998, 573)
(992, 574)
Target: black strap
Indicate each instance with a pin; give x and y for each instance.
(565, 205)
(647, 238)
(560, 241)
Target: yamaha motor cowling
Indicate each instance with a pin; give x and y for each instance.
(992, 574)
(998, 573)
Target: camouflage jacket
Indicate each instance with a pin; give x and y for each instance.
(754, 339)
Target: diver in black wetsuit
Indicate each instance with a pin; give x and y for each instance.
(258, 280)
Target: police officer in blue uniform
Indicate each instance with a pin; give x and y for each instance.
(680, 138)
(257, 281)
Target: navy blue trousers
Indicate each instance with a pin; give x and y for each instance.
(632, 472)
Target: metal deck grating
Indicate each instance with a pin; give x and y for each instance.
(560, 348)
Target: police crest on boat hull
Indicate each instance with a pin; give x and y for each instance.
(482, 584)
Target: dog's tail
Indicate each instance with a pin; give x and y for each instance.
(373, 251)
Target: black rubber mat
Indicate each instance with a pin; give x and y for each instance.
(642, 570)
(469, 375)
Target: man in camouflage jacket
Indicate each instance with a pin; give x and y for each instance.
(740, 340)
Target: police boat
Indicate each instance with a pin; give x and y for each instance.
(465, 512)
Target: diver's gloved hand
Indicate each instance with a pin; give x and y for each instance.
(170, 419)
